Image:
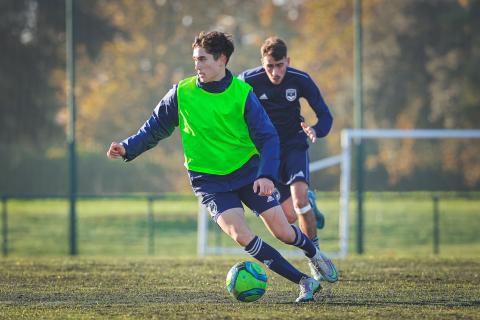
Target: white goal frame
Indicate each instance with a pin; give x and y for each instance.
(348, 136)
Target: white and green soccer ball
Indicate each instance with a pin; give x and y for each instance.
(246, 281)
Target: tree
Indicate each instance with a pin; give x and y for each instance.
(33, 39)
(419, 58)
(119, 89)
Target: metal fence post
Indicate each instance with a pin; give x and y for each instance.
(71, 134)
(4, 227)
(358, 118)
(151, 227)
(436, 227)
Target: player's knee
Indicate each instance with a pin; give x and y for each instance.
(300, 203)
(242, 238)
(290, 214)
(300, 210)
(291, 217)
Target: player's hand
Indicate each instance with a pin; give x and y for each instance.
(116, 151)
(309, 131)
(263, 186)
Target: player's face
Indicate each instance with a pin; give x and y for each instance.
(275, 69)
(208, 69)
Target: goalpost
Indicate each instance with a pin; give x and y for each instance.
(344, 159)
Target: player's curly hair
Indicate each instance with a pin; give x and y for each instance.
(275, 47)
(215, 43)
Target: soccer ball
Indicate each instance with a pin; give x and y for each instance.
(246, 281)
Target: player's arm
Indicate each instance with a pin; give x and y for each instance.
(266, 140)
(324, 117)
(159, 126)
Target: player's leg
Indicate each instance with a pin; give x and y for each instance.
(295, 173)
(232, 222)
(226, 209)
(276, 222)
(285, 198)
(287, 207)
(318, 214)
(306, 217)
(272, 215)
(320, 265)
(268, 255)
(295, 165)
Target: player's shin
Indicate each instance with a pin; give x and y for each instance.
(303, 242)
(266, 254)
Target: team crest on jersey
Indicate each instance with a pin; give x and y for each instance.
(213, 207)
(291, 94)
(276, 194)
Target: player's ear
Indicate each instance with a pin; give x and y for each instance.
(223, 59)
(288, 61)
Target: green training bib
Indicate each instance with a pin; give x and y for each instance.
(214, 133)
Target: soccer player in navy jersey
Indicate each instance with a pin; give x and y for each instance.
(231, 154)
(279, 88)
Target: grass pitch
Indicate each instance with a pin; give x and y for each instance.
(182, 288)
(396, 224)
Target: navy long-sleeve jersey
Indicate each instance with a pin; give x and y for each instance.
(164, 119)
(282, 103)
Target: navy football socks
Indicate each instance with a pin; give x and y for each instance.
(315, 242)
(302, 242)
(264, 253)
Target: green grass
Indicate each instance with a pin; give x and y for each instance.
(396, 225)
(114, 278)
(105, 227)
(182, 288)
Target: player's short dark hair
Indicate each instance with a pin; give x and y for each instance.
(275, 47)
(215, 43)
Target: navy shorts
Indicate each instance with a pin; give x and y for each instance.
(294, 166)
(218, 202)
(283, 192)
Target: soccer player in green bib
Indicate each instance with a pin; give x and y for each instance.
(232, 157)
